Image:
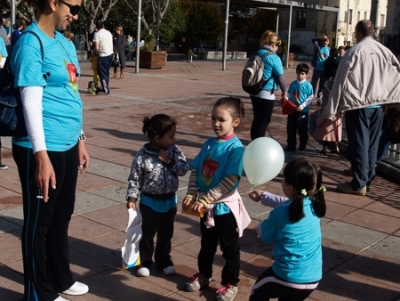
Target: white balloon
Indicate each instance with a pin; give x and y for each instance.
(263, 159)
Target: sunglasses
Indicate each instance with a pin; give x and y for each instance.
(73, 9)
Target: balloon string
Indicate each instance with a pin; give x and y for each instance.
(253, 187)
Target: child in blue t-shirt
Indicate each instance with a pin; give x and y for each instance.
(213, 183)
(293, 226)
(301, 94)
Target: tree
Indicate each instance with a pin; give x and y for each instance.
(96, 9)
(204, 22)
(149, 12)
(21, 10)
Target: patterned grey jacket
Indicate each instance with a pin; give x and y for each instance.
(149, 175)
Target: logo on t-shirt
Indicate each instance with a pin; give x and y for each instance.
(209, 168)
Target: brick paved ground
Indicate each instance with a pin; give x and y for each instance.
(360, 234)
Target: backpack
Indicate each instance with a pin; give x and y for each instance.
(253, 74)
(12, 122)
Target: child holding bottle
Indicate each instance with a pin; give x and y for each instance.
(212, 188)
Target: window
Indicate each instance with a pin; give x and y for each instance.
(358, 16)
(382, 24)
(334, 23)
(301, 19)
(350, 20)
(365, 15)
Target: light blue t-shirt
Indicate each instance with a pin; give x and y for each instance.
(3, 49)
(272, 67)
(323, 54)
(297, 246)
(299, 91)
(58, 73)
(217, 159)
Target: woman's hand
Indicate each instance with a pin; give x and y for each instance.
(45, 176)
(84, 159)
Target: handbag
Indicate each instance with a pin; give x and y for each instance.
(12, 122)
(115, 61)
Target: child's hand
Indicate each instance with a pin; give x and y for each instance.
(299, 109)
(198, 206)
(164, 157)
(187, 202)
(256, 195)
(131, 204)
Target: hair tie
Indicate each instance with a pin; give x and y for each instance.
(303, 192)
(322, 189)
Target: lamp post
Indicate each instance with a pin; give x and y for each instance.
(158, 26)
(12, 12)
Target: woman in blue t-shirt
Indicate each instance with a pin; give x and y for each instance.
(294, 229)
(321, 55)
(263, 102)
(46, 72)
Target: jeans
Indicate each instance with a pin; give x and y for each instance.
(297, 122)
(363, 128)
(104, 72)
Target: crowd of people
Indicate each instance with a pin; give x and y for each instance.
(49, 160)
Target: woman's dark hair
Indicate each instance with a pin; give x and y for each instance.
(235, 105)
(306, 177)
(157, 125)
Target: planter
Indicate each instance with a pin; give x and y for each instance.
(152, 59)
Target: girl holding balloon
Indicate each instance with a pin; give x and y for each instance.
(294, 228)
(212, 188)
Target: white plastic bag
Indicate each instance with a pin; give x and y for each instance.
(130, 250)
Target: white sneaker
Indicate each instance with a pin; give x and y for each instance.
(143, 272)
(169, 270)
(77, 289)
(61, 299)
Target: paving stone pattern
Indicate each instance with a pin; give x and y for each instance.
(361, 240)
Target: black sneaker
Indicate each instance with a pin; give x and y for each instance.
(3, 166)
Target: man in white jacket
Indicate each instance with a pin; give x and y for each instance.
(368, 77)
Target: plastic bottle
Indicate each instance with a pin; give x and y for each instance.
(190, 211)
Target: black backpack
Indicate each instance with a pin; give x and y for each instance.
(12, 122)
(253, 74)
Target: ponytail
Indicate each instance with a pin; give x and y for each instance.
(296, 212)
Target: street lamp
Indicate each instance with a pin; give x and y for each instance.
(158, 26)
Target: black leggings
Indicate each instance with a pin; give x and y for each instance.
(44, 238)
(262, 112)
(271, 289)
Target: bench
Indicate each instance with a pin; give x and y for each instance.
(176, 56)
